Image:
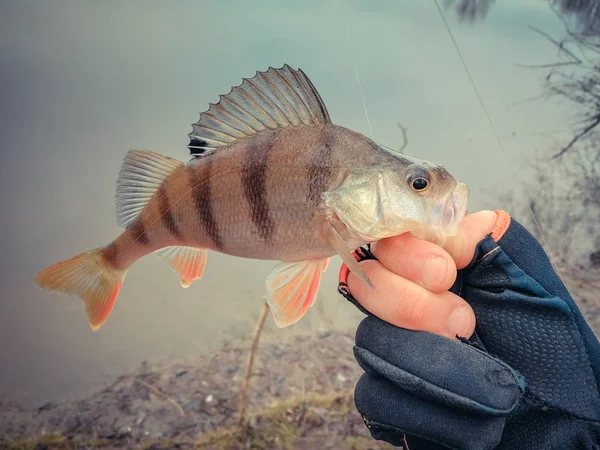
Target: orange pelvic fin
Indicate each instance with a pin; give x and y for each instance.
(90, 277)
(188, 262)
(292, 289)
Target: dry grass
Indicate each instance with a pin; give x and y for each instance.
(280, 424)
(300, 422)
(52, 441)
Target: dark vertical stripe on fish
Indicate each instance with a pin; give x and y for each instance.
(319, 168)
(111, 253)
(200, 182)
(166, 213)
(138, 232)
(254, 177)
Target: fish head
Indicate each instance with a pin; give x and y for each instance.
(418, 197)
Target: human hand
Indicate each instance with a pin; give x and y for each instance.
(412, 278)
(527, 378)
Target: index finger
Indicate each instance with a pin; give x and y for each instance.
(473, 228)
(403, 254)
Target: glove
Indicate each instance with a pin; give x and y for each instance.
(527, 379)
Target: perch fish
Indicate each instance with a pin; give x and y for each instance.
(271, 177)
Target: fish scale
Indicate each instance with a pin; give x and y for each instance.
(271, 177)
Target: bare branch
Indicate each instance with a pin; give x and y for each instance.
(548, 66)
(244, 390)
(161, 394)
(577, 137)
(560, 44)
(404, 136)
(581, 85)
(585, 12)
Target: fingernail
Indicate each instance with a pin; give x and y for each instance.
(434, 271)
(461, 322)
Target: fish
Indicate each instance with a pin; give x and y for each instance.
(270, 177)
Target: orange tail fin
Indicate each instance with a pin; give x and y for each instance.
(91, 278)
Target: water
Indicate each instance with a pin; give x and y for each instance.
(83, 82)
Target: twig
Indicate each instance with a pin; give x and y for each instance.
(246, 383)
(404, 136)
(162, 395)
(578, 136)
(560, 45)
(549, 65)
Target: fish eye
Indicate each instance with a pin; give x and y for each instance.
(419, 179)
(420, 184)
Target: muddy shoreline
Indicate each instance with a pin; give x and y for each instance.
(301, 396)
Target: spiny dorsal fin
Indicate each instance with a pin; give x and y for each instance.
(277, 98)
(141, 174)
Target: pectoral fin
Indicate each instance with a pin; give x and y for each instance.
(340, 246)
(292, 288)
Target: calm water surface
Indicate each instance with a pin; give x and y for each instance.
(83, 82)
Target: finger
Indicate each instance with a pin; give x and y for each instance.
(405, 304)
(417, 260)
(473, 228)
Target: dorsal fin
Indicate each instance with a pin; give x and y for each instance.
(141, 174)
(277, 98)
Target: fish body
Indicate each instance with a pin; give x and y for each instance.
(271, 177)
(258, 198)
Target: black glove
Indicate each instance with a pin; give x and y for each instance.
(527, 379)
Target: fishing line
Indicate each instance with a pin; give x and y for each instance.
(362, 94)
(487, 115)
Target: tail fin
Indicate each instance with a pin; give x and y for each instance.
(89, 276)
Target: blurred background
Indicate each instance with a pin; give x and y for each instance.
(82, 82)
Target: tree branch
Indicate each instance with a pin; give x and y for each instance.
(578, 136)
(404, 136)
(560, 44)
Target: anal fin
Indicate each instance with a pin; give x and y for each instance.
(292, 288)
(188, 262)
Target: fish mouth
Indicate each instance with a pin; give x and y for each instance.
(447, 215)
